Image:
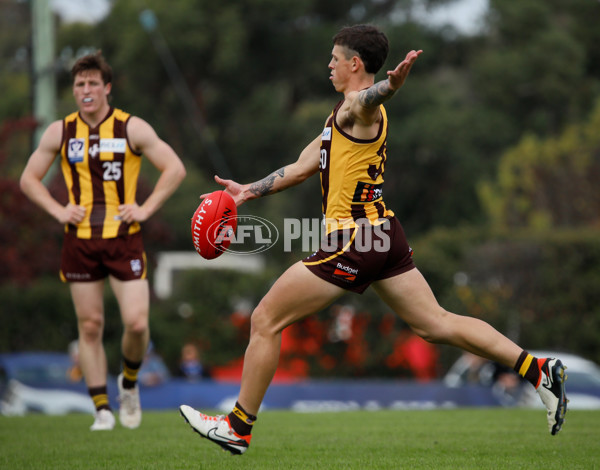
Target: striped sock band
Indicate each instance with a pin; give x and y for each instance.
(99, 397)
(130, 372)
(240, 421)
(529, 367)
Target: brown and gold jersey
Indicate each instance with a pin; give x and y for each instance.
(101, 172)
(352, 175)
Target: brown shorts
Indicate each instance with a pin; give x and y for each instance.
(90, 260)
(354, 258)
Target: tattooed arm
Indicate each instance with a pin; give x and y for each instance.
(385, 89)
(287, 176)
(264, 187)
(376, 94)
(363, 106)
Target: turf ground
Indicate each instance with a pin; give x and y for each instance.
(441, 439)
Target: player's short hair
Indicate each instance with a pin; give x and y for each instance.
(93, 62)
(366, 40)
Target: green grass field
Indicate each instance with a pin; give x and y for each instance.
(440, 439)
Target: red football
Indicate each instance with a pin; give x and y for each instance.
(214, 224)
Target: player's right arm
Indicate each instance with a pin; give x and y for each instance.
(38, 165)
(287, 176)
(363, 106)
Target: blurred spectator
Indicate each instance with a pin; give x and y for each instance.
(190, 364)
(153, 371)
(506, 384)
(74, 374)
(341, 327)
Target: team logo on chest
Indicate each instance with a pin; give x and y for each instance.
(93, 147)
(75, 149)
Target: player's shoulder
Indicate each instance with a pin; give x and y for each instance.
(353, 111)
(71, 116)
(52, 137)
(136, 123)
(120, 114)
(56, 125)
(55, 129)
(140, 134)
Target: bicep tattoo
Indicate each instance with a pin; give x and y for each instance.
(265, 185)
(376, 94)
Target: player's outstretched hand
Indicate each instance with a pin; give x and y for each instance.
(234, 189)
(397, 76)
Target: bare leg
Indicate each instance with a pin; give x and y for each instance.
(411, 298)
(296, 294)
(134, 302)
(89, 308)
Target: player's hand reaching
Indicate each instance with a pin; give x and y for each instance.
(235, 190)
(397, 76)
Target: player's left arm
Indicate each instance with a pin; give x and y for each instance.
(279, 180)
(144, 139)
(365, 103)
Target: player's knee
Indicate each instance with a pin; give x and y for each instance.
(90, 330)
(428, 335)
(138, 325)
(437, 331)
(261, 322)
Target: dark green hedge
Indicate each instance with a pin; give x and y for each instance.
(541, 289)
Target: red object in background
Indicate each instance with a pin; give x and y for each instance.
(291, 367)
(414, 353)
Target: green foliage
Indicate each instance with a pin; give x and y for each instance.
(11, 105)
(544, 183)
(254, 67)
(201, 310)
(13, 59)
(524, 73)
(33, 249)
(528, 284)
(41, 317)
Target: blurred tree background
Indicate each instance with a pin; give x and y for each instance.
(494, 159)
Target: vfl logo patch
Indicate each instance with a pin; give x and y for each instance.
(75, 150)
(136, 266)
(367, 192)
(326, 134)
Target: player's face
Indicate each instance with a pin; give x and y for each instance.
(90, 92)
(340, 67)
